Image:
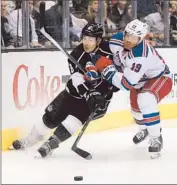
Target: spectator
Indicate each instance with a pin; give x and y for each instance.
(49, 3)
(53, 21)
(145, 7)
(173, 23)
(77, 25)
(91, 15)
(80, 6)
(118, 13)
(6, 39)
(15, 23)
(126, 18)
(10, 6)
(37, 17)
(156, 24)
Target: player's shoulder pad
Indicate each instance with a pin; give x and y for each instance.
(117, 39)
(141, 50)
(104, 47)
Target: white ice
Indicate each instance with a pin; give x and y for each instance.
(115, 160)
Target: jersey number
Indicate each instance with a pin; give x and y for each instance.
(136, 67)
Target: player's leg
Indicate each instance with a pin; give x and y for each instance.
(153, 91)
(78, 112)
(63, 132)
(138, 117)
(53, 113)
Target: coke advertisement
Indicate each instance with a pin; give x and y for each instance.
(30, 83)
(31, 80)
(34, 90)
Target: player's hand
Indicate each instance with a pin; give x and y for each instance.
(95, 99)
(91, 74)
(105, 66)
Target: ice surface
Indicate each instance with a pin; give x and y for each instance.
(115, 160)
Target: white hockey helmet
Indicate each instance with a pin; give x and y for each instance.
(137, 28)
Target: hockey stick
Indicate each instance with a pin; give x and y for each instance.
(42, 30)
(78, 150)
(61, 49)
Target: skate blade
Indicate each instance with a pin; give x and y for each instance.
(39, 156)
(154, 155)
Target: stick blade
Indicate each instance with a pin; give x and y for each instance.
(82, 153)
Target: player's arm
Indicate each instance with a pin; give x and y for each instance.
(117, 50)
(78, 85)
(131, 75)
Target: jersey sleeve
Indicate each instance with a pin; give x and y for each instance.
(116, 43)
(116, 47)
(77, 86)
(132, 74)
(72, 67)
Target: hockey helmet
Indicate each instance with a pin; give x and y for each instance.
(137, 28)
(93, 30)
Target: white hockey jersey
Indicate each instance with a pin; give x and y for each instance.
(138, 64)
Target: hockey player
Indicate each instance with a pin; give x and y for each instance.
(83, 92)
(139, 68)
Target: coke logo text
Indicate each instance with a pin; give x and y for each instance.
(33, 91)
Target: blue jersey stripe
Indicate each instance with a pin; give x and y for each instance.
(151, 115)
(152, 123)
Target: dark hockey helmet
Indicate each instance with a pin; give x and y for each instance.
(93, 30)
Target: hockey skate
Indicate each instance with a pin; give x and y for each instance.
(32, 138)
(156, 144)
(140, 136)
(48, 147)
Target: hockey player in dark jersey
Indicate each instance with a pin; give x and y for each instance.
(83, 93)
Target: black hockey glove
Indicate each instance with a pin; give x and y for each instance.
(95, 99)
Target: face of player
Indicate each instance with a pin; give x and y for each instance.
(89, 43)
(130, 41)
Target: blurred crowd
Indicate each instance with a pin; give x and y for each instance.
(117, 13)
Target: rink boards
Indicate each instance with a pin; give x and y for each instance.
(30, 80)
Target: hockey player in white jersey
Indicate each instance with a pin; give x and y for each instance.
(139, 68)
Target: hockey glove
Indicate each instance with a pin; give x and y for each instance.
(108, 73)
(91, 75)
(101, 62)
(95, 99)
(105, 66)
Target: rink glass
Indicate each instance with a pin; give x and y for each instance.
(70, 16)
